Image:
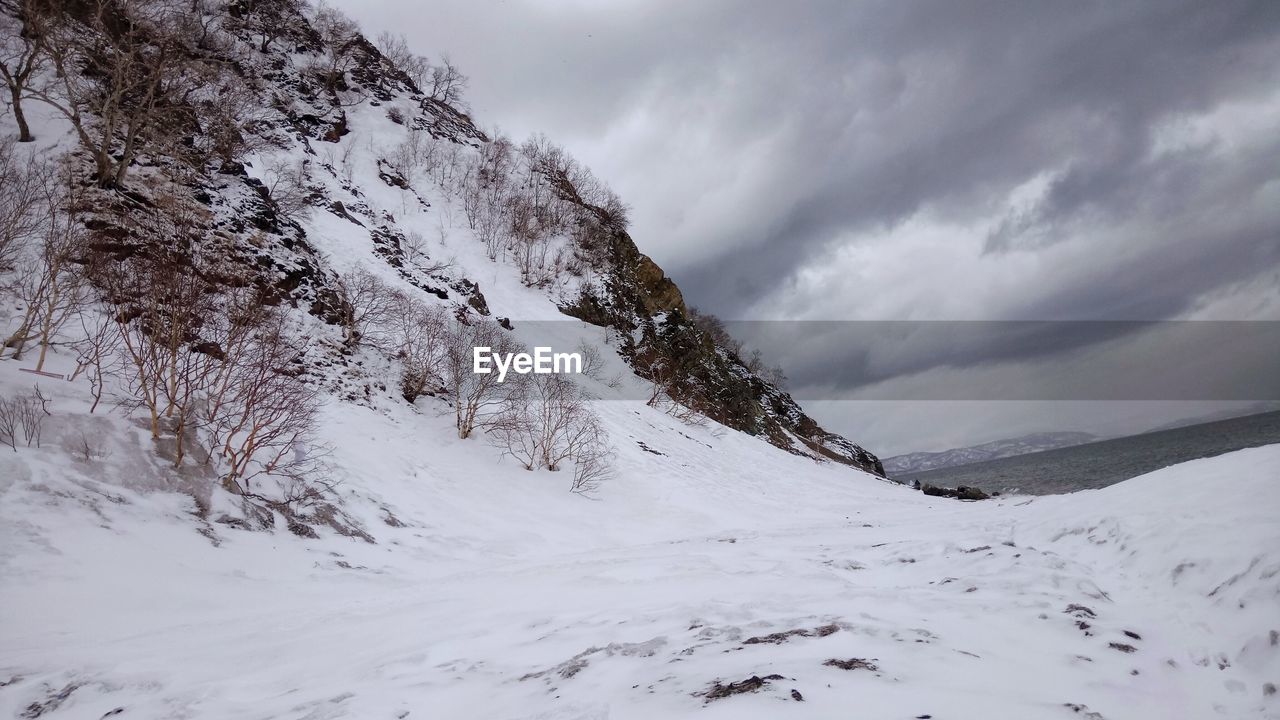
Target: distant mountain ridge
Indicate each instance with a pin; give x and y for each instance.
(1035, 442)
(1264, 406)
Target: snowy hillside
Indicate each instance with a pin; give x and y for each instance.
(712, 559)
(246, 470)
(1035, 442)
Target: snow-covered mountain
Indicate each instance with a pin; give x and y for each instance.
(241, 478)
(1034, 442)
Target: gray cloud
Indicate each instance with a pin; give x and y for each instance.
(904, 160)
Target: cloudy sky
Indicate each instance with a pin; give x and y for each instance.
(831, 160)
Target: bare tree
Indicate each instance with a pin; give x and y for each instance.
(261, 414)
(286, 185)
(337, 35)
(22, 57)
(419, 337)
(268, 19)
(26, 413)
(477, 398)
(546, 422)
(9, 422)
(122, 72)
(49, 283)
(160, 304)
(593, 458)
(446, 83)
(64, 291)
(96, 353)
(21, 202)
(365, 304)
(396, 50)
(592, 360)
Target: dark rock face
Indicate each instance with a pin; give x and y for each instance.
(964, 492)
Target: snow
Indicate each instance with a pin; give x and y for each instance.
(506, 596)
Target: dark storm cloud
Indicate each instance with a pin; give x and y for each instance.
(1030, 87)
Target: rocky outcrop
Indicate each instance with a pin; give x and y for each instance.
(638, 299)
(964, 492)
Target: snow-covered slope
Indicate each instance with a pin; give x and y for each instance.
(488, 592)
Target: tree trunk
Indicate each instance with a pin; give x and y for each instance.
(24, 130)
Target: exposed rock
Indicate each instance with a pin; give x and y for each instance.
(719, 690)
(964, 492)
(1083, 711)
(780, 637)
(1080, 611)
(852, 664)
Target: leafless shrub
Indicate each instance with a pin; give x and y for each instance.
(419, 335)
(9, 422)
(210, 368)
(418, 154)
(267, 19)
(446, 83)
(25, 413)
(477, 398)
(396, 50)
(545, 422)
(48, 281)
(666, 392)
(366, 303)
(55, 289)
(771, 374)
(233, 114)
(715, 328)
(286, 184)
(21, 204)
(593, 459)
(90, 448)
(337, 34)
(592, 360)
(485, 190)
(96, 353)
(414, 247)
(260, 414)
(162, 305)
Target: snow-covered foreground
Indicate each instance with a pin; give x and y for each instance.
(722, 559)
